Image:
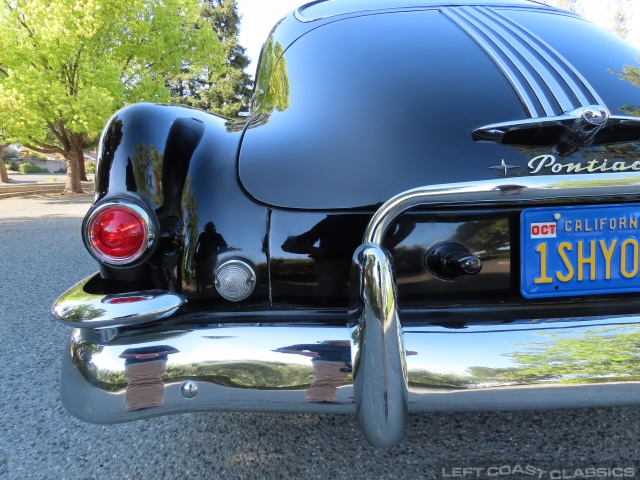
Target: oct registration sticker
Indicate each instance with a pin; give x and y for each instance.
(582, 250)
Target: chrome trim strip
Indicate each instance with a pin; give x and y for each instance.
(597, 100)
(530, 54)
(519, 52)
(419, 6)
(557, 62)
(222, 361)
(78, 308)
(544, 188)
(379, 363)
(507, 70)
(521, 59)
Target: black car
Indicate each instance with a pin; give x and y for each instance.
(432, 206)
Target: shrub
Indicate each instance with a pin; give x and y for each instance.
(28, 167)
(61, 170)
(13, 166)
(10, 153)
(90, 167)
(37, 155)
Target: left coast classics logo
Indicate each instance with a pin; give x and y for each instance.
(549, 164)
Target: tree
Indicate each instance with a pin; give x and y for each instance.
(66, 67)
(621, 18)
(4, 175)
(610, 353)
(274, 91)
(226, 90)
(4, 143)
(571, 5)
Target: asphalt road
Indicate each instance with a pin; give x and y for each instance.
(41, 254)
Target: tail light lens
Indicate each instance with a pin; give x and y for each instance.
(119, 233)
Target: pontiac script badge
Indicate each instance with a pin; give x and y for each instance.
(549, 164)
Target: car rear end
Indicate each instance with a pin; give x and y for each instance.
(448, 201)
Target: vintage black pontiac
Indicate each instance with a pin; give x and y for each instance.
(432, 206)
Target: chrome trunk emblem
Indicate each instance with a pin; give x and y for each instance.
(504, 167)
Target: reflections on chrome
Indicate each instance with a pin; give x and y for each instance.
(144, 368)
(517, 365)
(584, 188)
(78, 308)
(535, 352)
(272, 89)
(331, 363)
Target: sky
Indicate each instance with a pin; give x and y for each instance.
(259, 16)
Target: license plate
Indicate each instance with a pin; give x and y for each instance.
(586, 250)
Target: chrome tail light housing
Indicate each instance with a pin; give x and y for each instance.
(119, 232)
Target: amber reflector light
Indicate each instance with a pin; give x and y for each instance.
(118, 234)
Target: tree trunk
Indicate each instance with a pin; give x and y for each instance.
(4, 176)
(73, 158)
(83, 170)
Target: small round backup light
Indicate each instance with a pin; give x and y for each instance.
(119, 233)
(235, 280)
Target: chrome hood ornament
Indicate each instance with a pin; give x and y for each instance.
(584, 126)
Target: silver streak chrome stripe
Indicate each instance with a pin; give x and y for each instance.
(573, 79)
(547, 84)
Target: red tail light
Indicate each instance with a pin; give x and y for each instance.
(119, 233)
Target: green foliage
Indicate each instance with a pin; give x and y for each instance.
(9, 152)
(65, 66)
(476, 377)
(191, 230)
(224, 90)
(61, 170)
(274, 79)
(487, 235)
(28, 167)
(631, 74)
(606, 353)
(146, 159)
(90, 167)
(250, 374)
(427, 379)
(36, 156)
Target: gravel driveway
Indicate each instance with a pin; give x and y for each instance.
(42, 255)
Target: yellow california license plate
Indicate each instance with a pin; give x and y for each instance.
(582, 250)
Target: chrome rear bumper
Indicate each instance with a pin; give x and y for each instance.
(384, 371)
(245, 368)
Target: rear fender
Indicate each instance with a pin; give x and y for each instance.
(182, 164)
